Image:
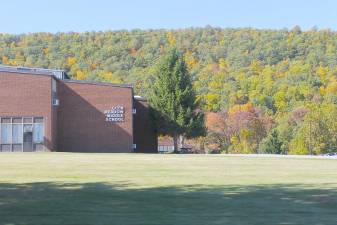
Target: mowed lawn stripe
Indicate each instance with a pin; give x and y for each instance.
(73, 188)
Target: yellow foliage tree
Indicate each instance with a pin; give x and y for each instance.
(190, 60)
(331, 88)
(93, 66)
(212, 100)
(322, 72)
(322, 90)
(240, 108)
(298, 147)
(223, 65)
(80, 75)
(5, 60)
(46, 51)
(171, 39)
(71, 61)
(256, 67)
(108, 76)
(280, 100)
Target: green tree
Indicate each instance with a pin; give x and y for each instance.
(317, 133)
(172, 98)
(271, 144)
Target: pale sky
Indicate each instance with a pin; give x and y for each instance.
(99, 15)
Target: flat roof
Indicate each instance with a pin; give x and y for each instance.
(98, 83)
(60, 74)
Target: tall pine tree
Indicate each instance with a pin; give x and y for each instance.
(173, 101)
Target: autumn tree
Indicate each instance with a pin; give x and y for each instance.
(249, 125)
(218, 131)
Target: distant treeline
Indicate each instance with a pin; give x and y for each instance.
(268, 90)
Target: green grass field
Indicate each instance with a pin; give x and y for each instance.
(137, 189)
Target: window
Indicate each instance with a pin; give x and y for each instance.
(17, 120)
(21, 133)
(17, 134)
(27, 120)
(38, 133)
(54, 92)
(6, 133)
(54, 88)
(6, 120)
(38, 120)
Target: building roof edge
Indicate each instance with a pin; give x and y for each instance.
(98, 83)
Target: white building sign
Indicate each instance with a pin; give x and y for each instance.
(115, 114)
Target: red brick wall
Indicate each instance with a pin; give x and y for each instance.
(28, 95)
(81, 119)
(145, 136)
(78, 123)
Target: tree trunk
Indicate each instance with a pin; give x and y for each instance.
(175, 142)
(181, 141)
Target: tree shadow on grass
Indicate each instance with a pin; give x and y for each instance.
(101, 203)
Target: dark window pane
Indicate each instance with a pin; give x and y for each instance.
(17, 148)
(17, 120)
(6, 148)
(5, 120)
(38, 120)
(38, 147)
(27, 147)
(28, 133)
(28, 120)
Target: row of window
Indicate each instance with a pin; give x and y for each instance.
(25, 133)
(21, 120)
(21, 147)
(17, 133)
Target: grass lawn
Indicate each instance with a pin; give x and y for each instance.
(137, 189)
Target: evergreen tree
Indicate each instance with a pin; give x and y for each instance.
(173, 100)
(271, 144)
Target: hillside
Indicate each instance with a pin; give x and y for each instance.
(283, 79)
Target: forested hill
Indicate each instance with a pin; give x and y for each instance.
(127, 56)
(281, 72)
